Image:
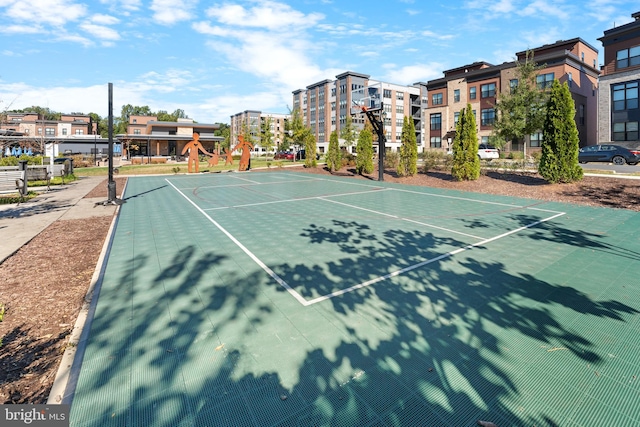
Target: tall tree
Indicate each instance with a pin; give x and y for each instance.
(521, 111)
(560, 141)
(349, 133)
(310, 148)
(334, 156)
(466, 165)
(266, 136)
(408, 161)
(364, 151)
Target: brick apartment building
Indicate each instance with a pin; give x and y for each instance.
(148, 137)
(618, 109)
(479, 84)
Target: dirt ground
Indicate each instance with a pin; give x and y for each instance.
(43, 285)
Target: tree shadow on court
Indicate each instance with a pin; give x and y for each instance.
(200, 343)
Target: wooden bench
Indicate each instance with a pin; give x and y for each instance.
(12, 182)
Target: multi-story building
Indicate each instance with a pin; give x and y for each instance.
(254, 122)
(73, 133)
(148, 137)
(325, 106)
(618, 109)
(479, 84)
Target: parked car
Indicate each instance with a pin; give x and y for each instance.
(301, 155)
(283, 155)
(61, 160)
(488, 152)
(608, 153)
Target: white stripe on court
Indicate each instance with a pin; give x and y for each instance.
(294, 200)
(305, 303)
(270, 272)
(423, 263)
(248, 185)
(401, 218)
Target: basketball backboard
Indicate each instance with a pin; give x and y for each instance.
(368, 98)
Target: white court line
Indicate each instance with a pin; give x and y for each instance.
(295, 200)
(401, 218)
(262, 265)
(247, 185)
(423, 263)
(316, 300)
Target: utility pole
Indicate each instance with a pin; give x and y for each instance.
(377, 121)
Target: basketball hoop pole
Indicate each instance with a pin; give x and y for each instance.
(378, 126)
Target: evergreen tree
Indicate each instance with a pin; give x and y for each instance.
(310, 148)
(364, 150)
(408, 161)
(520, 112)
(560, 142)
(466, 165)
(349, 133)
(334, 157)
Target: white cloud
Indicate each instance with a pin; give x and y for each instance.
(101, 19)
(410, 74)
(21, 29)
(52, 12)
(168, 12)
(101, 32)
(267, 14)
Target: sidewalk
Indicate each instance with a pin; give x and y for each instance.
(19, 223)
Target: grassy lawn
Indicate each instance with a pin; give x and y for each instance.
(172, 168)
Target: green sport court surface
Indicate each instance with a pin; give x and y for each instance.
(293, 299)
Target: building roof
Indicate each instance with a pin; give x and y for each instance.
(615, 33)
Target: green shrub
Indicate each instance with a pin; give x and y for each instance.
(433, 160)
(391, 159)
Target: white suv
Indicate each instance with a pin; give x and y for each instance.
(488, 152)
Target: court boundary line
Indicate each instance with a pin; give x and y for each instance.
(370, 282)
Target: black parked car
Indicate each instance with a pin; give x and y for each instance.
(301, 155)
(608, 153)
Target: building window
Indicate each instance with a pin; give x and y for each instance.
(456, 95)
(436, 99)
(39, 131)
(400, 96)
(581, 114)
(79, 132)
(49, 132)
(487, 116)
(136, 131)
(628, 57)
(627, 131)
(625, 96)
(456, 117)
(582, 56)
(545, 81)
(386, 93)
(135, 121)
(472, 92)
(436, 142)
(436, 121)
(64, 131)
(513, 84)
(488, 90)
(535, 140)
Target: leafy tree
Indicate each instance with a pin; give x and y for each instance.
(163, 116)
(309, 140)
(364, 151)
(349, 133)
(408, 161)
(560, 142)
(224, 131)
(122, 122)
(334, 156)
(466, 165)
(520, 112)
(266, 136)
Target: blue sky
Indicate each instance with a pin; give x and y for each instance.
(214, 59)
